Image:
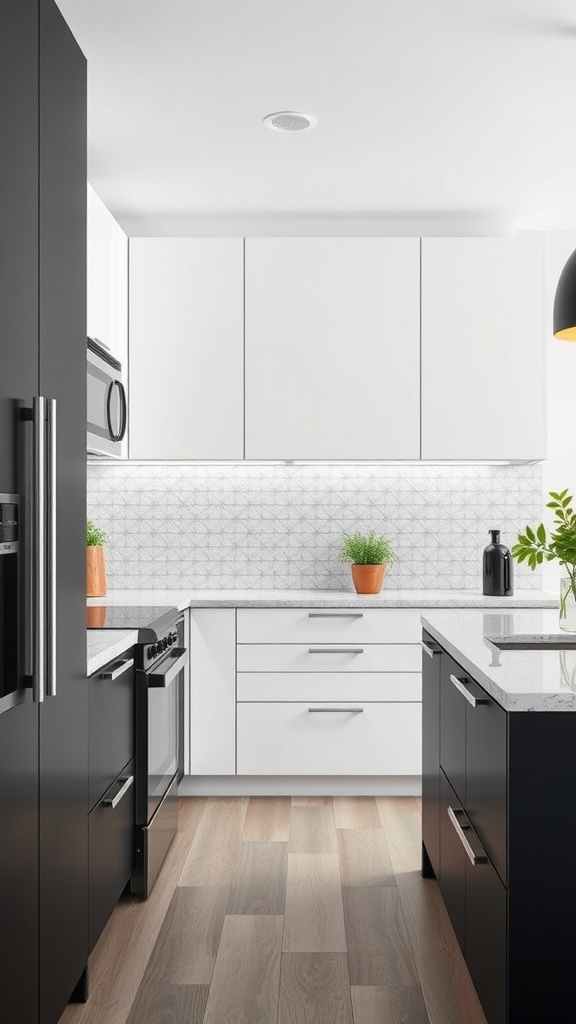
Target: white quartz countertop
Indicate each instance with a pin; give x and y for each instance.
(326, 599)
(104, 645)
(518, 680)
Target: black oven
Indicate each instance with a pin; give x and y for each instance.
(107, 408)
(159, 707)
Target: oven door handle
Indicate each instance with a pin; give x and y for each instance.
(175, 662)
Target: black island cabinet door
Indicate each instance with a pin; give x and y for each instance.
(64, 717)
(431, 659)
(18, 384)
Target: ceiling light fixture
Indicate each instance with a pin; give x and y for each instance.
(289, 121)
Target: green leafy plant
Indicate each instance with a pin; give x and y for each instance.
(536, 546)
(95, 537)
(366, 549)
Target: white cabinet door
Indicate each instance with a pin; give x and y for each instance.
(212, 691)
(332, 348)
(107, 278)
(483, 348)
(186, 348)
(305, 739)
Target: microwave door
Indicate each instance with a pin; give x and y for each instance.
(106, 401)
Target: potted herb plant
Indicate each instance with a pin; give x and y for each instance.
(535, 546)
(369, 556)
(95, 568)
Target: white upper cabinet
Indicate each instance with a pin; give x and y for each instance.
(483, 348)
(107, 279)
(186, 348)
(332, 348)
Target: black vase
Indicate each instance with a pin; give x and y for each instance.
(497, 570)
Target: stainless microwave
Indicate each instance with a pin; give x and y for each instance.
(107, 406)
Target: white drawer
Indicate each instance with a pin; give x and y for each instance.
(326, 625)
(327, 686)
(351, 657)
(290, 739)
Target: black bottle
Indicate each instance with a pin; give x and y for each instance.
(497, 568)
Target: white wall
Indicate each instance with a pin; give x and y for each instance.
(559, 470)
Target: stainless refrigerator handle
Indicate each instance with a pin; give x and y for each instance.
(39, 548)
(474, 857)
(51, 547)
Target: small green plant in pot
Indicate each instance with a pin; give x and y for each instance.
(95, 568)
(536, 545)
(369, 555)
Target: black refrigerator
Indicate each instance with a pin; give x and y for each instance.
(43, 690)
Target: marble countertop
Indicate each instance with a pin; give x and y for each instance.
(103, 645)
(326, 599)
(518, 680)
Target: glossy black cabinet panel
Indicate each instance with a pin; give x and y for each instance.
(430, 757)
(486, 936)
(64, 718)
(111, 725)
(486, 776)
(453, 726)
(111, 839)
(452, 878)
(18, 383)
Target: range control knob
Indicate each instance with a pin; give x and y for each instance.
(151, 652)
(165, 644)
(171, 639)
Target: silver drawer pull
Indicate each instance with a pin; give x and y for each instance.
(473, 857)
(120, 668)
(461, 687)
(428, 649)
(335, 615)
(114, 801)
(335, 650)
(346, 711)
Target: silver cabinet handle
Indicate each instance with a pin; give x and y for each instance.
(39, 547)
(461, 687)
(120, 668)
(51, 547)
(335, 615)
(473, 856)
(114, 801)
(346, 711)
(428, 649)
(335, 650)
(177, 660)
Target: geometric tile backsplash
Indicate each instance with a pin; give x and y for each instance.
(279, 526)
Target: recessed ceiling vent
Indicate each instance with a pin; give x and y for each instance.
(289, 121)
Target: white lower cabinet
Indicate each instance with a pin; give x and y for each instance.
(212, 691)
(331, 738)
(322, 686)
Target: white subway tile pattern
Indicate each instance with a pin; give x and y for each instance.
(279, 526)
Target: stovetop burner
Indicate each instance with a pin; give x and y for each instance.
(151, 621)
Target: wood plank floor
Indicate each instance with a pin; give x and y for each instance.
(284, 911)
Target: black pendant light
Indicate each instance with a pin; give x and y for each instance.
(564, 317)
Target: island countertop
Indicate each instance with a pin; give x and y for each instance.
(518, 680)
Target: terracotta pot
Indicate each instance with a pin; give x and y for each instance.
(368, 578)
(96, 616)
(95, 572)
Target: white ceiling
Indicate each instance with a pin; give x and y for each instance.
(433, 106)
